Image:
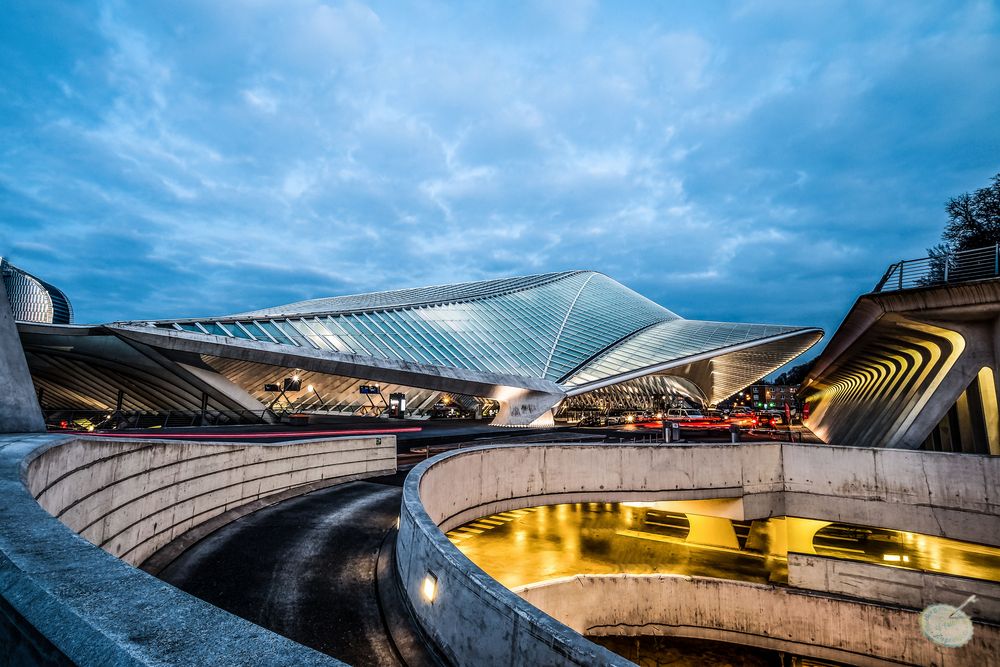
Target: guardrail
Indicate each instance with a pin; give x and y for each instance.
(957, 267)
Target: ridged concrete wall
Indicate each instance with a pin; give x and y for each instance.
(475, 620)
(899, 363)
(64, 600)
(783, 619)
(132, 498)
(913, 589)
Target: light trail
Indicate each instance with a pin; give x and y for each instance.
(243, 436)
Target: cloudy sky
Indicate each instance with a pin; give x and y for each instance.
(746, 161)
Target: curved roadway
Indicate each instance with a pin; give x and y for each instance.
(304, 568)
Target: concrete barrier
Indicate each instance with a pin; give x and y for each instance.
(132, 498)
(922, 492)
(475, 620)
(913, 589)
(772, 617)
(64, 600)
(495, 479)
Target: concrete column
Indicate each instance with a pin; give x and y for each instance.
(523, 407)
(940, 396)
(19, 409)
(711, 531)
(991, 408)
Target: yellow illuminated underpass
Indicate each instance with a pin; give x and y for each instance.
(699, 538)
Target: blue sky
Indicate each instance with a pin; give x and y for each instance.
(746, 161)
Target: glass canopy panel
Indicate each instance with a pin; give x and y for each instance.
(276, 333)
(580, 325)
(510, 333)
(256, 331)
(236, 331)
(309, 334)
(669, 341)
(409, 297)
(214, 329)
(603, 312)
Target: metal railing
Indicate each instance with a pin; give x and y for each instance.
(956, 267)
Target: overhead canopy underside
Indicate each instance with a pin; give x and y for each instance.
(913, 368)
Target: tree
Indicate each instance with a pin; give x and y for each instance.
(796, 374)
(973, 220)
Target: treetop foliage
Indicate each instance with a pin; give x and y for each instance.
(796, 374)
(973, 220)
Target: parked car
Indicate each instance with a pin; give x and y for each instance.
(770, 419)
(695, 419)
(682, 414)
(590, 420)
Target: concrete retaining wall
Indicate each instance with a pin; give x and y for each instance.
(921, 492)
(132, 498)
(895, 585)
(475, 620)
(489, 480)
(63, 599)
(472, 619)
(759, 615)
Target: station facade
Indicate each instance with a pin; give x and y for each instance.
(522, 348)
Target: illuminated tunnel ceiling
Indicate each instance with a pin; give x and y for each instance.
(916, 368)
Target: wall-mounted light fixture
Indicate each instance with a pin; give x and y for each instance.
(429, 587)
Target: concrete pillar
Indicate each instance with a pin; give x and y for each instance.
(711, 531)
(19, 409)
(523, 407)
(792, 534)
(991, 408)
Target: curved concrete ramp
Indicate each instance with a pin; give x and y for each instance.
(133, 498)
(475, 620)
(65, 600)
(761, 615)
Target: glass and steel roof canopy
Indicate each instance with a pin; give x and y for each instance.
(572, 328)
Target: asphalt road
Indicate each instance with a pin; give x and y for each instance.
(304, 568)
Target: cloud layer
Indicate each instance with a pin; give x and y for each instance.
(756, 161)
